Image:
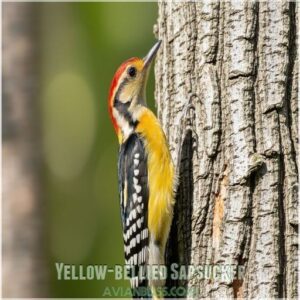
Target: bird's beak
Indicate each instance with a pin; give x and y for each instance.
(150, 56)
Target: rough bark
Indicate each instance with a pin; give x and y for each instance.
(235, 66)
(24, 270)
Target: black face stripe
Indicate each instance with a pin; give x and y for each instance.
(120, 88)
(122, 108)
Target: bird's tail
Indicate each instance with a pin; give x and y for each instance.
(148, 280)
(139, 282)
(156, 269)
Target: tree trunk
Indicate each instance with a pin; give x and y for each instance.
(234, 65)
(24, 270)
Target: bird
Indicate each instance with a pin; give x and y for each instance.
(146, 175)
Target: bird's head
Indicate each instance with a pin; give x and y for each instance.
(128, 91)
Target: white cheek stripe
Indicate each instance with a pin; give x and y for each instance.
(122, 123)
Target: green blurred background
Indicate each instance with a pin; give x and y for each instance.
(82, 45)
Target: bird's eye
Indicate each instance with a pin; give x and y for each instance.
(132, 71)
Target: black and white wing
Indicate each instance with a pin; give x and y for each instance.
(134, 195)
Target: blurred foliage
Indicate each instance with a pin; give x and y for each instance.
(82, 45)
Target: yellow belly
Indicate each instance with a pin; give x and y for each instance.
(160, 177)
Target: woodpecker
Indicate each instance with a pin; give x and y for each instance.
(145, 172)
